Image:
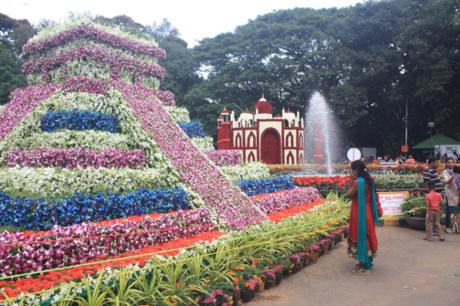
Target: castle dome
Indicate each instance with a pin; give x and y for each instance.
(263, 106)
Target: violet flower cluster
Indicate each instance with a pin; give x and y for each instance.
(77, 244)
(23, 101)
(98, 54)
(224, 157)
(281, 200)
(85, 84)
(76, 157)
(79, 120)
(195, 169)
(87, 31)
(43, 214)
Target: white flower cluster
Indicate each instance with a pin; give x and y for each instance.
(203, 143)
(60, 182)
(250, 171)
(179, 114)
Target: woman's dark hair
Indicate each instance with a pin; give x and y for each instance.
(361, 169)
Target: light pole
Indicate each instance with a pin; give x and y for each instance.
(431, 125)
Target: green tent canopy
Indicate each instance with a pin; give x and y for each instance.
(435, 140)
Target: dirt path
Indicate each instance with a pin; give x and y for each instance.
(408, 271)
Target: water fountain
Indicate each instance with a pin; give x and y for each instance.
(321, 134)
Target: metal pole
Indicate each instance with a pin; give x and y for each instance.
(406, 122)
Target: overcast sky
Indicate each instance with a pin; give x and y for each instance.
(195, 19)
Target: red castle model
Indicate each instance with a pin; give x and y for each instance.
(261, 137)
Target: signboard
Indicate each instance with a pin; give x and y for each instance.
(353, 154)
(391, 201)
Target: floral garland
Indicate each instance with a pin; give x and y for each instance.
(79, 120)
(76, 157)
(43, 214)
(90, 32)
(61, 246)
(195, 169)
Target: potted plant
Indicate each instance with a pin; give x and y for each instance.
(415, 211)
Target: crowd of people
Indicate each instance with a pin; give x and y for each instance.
(447, 184)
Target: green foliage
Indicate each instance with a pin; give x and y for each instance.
(414, 206)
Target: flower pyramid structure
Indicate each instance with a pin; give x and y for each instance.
(93, 138)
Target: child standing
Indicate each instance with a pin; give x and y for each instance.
(433, 212)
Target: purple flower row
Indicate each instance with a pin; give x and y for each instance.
(87, 31)
(97, 86)
(195, 169)
(76, 157)
(22, 102)
(77, 244)
(98, 54)
(85, 84)
(281, 200)
(224, 157)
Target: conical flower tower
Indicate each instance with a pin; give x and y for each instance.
(93, 124)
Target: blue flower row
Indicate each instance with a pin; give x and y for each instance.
(192, 129)
(255, 187)
(40, 214)
(79, 120)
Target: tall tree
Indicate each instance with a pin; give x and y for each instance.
(13, 35)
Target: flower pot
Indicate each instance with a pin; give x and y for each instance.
(247, 295)
(417, 223)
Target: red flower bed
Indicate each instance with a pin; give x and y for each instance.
(322, 182)
(67, 274)
(292, 211)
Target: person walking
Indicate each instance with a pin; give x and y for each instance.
(365, 211)
(450, 179)
(433, 201)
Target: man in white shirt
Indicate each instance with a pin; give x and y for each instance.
(451, 192)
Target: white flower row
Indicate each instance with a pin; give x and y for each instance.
(249, 171)
(62, 182)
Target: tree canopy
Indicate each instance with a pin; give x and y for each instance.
(368, 60)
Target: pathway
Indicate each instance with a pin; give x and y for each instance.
(408, 271)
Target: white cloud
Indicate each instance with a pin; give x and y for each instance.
(195, 19)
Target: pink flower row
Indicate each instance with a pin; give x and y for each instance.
(22, 102)
(87, 31)
(85, 84)
(277, 201)
(97, 86)
(201, 175)
(63, 246)
(224, 157)
(98, 54)
(76, 157)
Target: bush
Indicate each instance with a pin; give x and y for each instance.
(414, 206)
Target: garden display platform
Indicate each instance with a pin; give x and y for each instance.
(109, 193)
